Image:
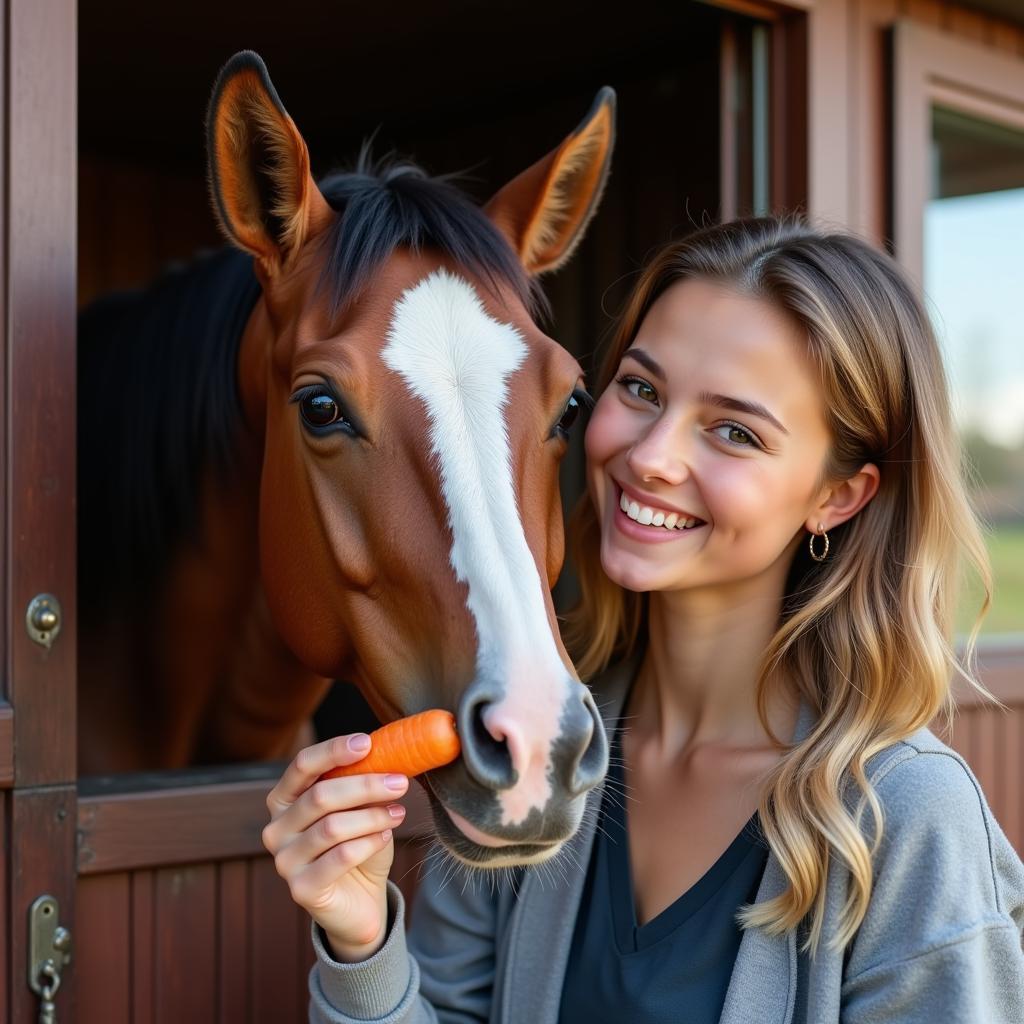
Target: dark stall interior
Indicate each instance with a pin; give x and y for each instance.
(457, 87)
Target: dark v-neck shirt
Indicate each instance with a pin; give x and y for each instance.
(674, 969)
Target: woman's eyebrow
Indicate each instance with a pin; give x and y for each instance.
(648, 362)
(741, 405)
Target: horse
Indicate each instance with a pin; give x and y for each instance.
(331, 451)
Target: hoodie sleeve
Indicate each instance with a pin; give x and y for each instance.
(942, 938)
(441, 972)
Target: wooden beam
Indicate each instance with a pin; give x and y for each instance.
(829, 99)
(763, 9)
(789, 113)
(182, 824)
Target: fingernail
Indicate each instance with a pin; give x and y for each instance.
(395, 782)
(358, 742)
(396, 810)
(386, 835)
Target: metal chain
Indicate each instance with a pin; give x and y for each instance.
(47, 992)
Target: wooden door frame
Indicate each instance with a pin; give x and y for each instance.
(787, 128)
(37, 736)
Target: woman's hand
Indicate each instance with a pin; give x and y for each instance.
(332, 843)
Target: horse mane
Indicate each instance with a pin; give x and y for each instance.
(158, 397)
(157, 401)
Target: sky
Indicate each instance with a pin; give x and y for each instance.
(974, 289)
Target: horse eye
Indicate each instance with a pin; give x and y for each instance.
(569, 415)
(319, 409)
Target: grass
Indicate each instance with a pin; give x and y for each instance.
(1006, 549)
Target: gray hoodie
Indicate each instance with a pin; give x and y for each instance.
(941, 942)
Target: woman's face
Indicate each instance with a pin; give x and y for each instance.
(714, 419)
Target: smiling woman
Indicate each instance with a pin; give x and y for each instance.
(665, 456)
(768, 559)
(769, 385)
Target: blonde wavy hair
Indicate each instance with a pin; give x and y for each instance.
(866, 637)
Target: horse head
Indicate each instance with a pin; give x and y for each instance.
(413, 416)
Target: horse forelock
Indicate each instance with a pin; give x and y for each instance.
(385, 205)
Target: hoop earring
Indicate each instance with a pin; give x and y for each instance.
(810, 544)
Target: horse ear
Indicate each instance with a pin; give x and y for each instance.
(545, 210)
(263, 193)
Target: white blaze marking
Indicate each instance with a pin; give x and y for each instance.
(457, 358)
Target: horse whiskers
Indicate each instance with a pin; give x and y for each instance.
(611, 724)
(568, 853)
(436, 851)
(547, 869)
(556, 871)
(598, 827)
(438, 859)
(615, 790)
(451, 866)
(422, 833)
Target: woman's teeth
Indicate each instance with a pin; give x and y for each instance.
(646, 516)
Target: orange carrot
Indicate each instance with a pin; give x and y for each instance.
(408, 746)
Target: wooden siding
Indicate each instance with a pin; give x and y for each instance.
(991, 739)
(216, 940)
(6, 745)
(207, 943)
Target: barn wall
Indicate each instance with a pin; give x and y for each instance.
(991, 738)
(850, 163)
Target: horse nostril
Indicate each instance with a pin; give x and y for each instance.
(488, 759)
(590, 766)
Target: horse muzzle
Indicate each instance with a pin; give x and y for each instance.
(518, 791)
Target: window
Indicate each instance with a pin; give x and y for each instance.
(974, 276)
(958, 222)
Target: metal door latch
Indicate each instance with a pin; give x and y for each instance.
(49, 952)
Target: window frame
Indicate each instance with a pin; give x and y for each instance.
(934, 68)
(930, 68)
